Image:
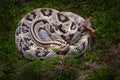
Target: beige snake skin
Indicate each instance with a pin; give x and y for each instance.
(46, 32)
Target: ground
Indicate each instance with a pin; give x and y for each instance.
(99, 62)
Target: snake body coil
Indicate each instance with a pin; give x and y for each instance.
(46, 32)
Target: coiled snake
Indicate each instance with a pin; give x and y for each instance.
(46, 32)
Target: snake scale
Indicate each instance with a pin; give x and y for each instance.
(45, 32)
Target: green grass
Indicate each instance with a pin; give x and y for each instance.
(104, 15)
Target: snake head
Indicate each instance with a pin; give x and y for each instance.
(88, 26)
(60, 46)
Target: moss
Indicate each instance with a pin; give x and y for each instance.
(50, 69)
(105, 73)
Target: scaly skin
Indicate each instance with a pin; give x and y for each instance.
(67, 32)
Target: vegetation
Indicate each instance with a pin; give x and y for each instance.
(100, 62)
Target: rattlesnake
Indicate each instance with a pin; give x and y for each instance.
(46, 32)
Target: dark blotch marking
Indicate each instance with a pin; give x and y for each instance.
(34, 15)
(71, 36)
(24, 25)
(24, 31)
(56, 27)
(82, 34)
(58, 53)
(79, 29)
(28, 16)
(60, 28)
(44, 21)
(89, 41)
(21, 43)
(52, 30)
(46, 52)
(26, 48)
(63, 37)
(18, 31)
(62, 53)
(59, 17)
(73, 26)
(78, 49)
(37, 51)
(79, 24)
(31, 44)
(68, 38)
(26, 40)
(83, 45)
(49, 13)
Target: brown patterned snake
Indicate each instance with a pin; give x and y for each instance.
(46, 32)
